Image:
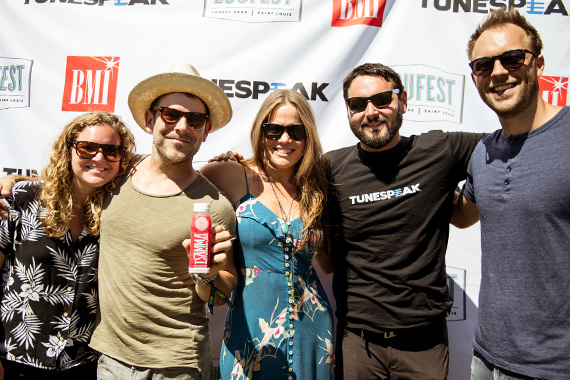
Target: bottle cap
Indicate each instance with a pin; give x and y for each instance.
(201, 207)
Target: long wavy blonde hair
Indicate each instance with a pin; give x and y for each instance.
(309, 176)
(57, 191)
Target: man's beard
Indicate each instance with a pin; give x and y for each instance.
(381, 136)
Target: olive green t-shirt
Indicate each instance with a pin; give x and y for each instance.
(150, 314)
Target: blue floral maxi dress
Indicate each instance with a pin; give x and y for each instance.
(279, 329)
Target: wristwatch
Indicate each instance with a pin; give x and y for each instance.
(199, 280)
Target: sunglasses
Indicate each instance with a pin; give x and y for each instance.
(88, 150)
(275, 131)
(195, 120)
(511, 60)
(379, 100)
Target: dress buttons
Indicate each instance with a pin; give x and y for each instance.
(291, 343)
(509, 169)
(507, 182)
(65, 314)
(69, 288)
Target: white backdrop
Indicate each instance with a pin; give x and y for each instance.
(61, 57)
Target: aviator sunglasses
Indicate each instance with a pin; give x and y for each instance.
(195, 120)
(379, 100)
(88, 150)
(511, 60)
(275, 131)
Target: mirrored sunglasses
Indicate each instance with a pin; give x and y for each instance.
(275, 131)
(511, 60)
(194, 120)
(88, 150)
(379, 100)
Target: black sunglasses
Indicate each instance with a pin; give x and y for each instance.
(379, 100)
(195, 120)
(275, 131)
(88, 150)
(511, 60)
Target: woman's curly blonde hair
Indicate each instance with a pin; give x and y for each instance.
(57, 191)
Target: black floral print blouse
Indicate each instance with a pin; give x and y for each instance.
(49, 301)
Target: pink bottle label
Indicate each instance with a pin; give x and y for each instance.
(200, 245)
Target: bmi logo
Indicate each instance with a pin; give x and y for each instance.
(90, 84)
(554, 90)
(358, 12)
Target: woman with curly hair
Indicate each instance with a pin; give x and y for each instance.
(282, 325)
(49, 251)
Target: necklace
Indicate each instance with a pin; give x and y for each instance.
(286, 224)
(287, 233)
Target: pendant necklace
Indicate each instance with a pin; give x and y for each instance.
(286, 229)
(286, 224)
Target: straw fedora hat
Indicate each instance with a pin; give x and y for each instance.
(182, 77)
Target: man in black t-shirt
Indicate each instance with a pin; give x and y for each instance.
(391, 209)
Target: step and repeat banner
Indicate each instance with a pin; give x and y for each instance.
(59, 58)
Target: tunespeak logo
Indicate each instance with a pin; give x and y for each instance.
(531, 7)
(433, 94)
(254, 10)
(554, 89)
(15, 82)
(90, 84)
(360, 12)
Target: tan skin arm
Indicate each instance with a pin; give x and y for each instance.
(464, 213)
(222, 263)
(228, 176)
(325, 262)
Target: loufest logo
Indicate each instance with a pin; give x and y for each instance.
(118, 3)
(360, 12)
(554, 90)
(534, 7)
(15, 82)
(254, 10)
(90, 84)
(245, 89)
(433, 94)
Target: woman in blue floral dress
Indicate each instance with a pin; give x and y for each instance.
(282, 324)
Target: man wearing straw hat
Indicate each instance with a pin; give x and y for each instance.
(153, 322)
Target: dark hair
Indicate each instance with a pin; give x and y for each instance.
(373, 70)
(501, 16)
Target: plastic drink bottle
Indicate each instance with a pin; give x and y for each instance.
(199, 260)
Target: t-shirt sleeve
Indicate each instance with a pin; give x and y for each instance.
(222, 213)
(468, 187)
(462, 145)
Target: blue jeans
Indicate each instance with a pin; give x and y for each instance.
(481, 369)
(111, 369)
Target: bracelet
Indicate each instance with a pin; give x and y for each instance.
(199, 280)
